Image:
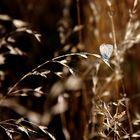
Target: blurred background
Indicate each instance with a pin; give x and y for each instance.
(67, 26)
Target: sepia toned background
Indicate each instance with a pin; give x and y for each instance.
(97, 102)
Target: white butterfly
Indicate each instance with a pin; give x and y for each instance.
(106, 51)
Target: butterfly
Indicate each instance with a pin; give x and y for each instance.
(106, 51)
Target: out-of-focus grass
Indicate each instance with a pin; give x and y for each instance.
(76, 95)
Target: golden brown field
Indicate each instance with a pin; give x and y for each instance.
(69, 69)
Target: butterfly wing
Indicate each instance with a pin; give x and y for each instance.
(106, 51)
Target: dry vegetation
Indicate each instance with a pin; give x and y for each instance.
(58, 81)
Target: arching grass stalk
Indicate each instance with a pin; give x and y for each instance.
(82, 54)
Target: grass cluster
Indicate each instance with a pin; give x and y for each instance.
(85, 89)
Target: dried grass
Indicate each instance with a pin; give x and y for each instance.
(78, 94)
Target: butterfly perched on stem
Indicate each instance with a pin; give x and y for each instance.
(106, 51)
